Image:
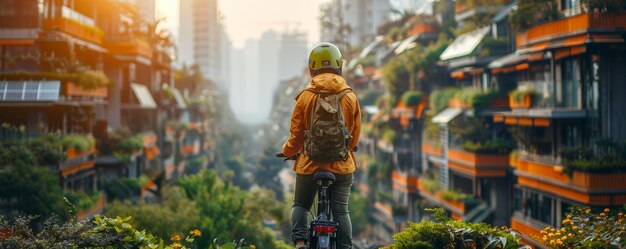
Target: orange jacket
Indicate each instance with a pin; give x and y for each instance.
(300, 119)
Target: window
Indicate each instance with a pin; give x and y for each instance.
(570, 83)
(538, 206)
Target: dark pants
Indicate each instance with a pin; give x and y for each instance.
(306, 189)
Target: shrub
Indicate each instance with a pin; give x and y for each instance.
(475, 98)
(78, 142)
(607, 156)
(584, 229)
(452, 195)
(412, 98)
(447, 233)
(369, 97)
(439, 98)
(497, 146)
(81, 200)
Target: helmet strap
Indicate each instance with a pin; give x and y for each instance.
(336, 71)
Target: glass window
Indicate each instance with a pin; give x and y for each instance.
(570, 83)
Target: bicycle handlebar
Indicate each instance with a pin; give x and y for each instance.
(287, 158)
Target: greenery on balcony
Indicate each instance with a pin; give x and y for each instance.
(583, 228)
(369, 97)
(475, 98)
(78, 142)
(124, 188)
(453, 195)
(444, 232)
(389, 135)
(439, 98)
(605, 156)
(89, 79)
(493, 46)
(474, 135)
(412, 98)
(121, 144)
(519, 95)
(430, 183)
(82, 200)
(533, 12)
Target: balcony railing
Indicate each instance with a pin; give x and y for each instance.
(571, 25)
(69, 13)
(584, 187)
(130, 45)
(76, 24)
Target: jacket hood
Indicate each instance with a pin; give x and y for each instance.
(328, 82)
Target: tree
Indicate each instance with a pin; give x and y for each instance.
(268, 167)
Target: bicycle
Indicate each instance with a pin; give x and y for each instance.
(323, 229)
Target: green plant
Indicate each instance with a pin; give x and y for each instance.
(474, 97)
(411, 98)
(389, 135)
(168, 93)
(583, 228)
(78, 142)
(519, 94)
(605, 156)
(369, 97)
(497, 146)
(439, 98)
(607, 5)
(122, 188)
(367, 61)
(453, 195)
(447, 233)
(430, 184)
(533, 12)
(82, 200)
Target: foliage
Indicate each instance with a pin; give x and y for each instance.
(78, 142)
(89, 79)
(175, 213)
(430, 183)
(532, 139)
(605, 156)
(359, 212)
(607, 5)
(122, 143)
(519, 94)
(492, 46)
(82, 200)
(474, 97)
(439, 98)
(389, 135)
(533, 12)
(35, 189)
(122, 188)
(168, 93)
(496, 146)
(583, 229)
(411, 98)
(453, 195)
(268, 167)
(369, 97)
(447, 233)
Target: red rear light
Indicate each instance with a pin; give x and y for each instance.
(324, 229)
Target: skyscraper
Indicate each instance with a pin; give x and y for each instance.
(292, 54)
(361, 16)
(147, 9)
(200, 37)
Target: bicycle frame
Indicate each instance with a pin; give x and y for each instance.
(323, 229)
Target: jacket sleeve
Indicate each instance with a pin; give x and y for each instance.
(296, 136)
(353, 119)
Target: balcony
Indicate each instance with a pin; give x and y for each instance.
(528, 227)
(403, 182)
(478, 164)
(584, 187)
(573, 25)
(75, 90)
(75, 24)
(131, 46)
(432, 149)
(77, 161)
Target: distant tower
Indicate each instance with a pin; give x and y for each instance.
(292, 54)
(147, 9)
(200, 24)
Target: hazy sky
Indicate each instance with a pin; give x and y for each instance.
(249, 18)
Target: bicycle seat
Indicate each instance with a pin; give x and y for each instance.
(324, 175)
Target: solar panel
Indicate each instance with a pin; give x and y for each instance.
(29, 90)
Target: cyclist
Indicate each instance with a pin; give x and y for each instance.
(325, 66)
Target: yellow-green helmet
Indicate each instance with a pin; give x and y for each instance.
(325, 58)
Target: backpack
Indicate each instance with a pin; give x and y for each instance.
(326, 139)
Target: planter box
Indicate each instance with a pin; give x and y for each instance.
(75, 29)
(584, 187)
(571, 25)
(73, 89)
(404, 183)
(525, 103)
(431, 149)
